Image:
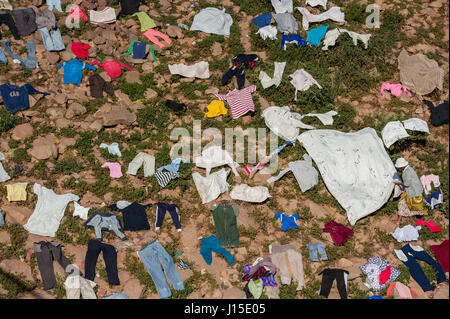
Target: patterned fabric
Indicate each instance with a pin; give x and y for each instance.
(181, 265)
(377, 266)
(404, 210)
(267, 277)
(163, 178)
(240, 101)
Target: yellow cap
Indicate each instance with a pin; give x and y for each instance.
(216, 108)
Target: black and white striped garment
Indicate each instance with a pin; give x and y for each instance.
(164, 178)
(181, 265)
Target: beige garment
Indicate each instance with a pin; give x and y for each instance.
(290, 264)
(77, 286)
(419, 73)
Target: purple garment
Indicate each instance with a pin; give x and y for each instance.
(265, 262)
(267, 281)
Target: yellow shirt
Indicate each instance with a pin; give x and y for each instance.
(16, 192)
(216, 108)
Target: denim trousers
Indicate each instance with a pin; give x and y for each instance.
(30, 62)
(153, 256)
(315, 249)
(52, 40)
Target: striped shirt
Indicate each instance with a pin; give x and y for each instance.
(240, 101)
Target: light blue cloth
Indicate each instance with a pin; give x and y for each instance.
(172, 167)
(212, 20)
(212, 244)
(52, 40)
(316, 35)
(315, 249)
(3, 57)
(113, 149)
(56, 3)
(117, 295)
(30, 62)
(153, 255)
(2, 218)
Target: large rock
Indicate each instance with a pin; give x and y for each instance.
(15, 214)
(55, 113)
(133, 77)
(75, 109)
(174, 32)
(22, 131)
(64, 142)
(115, 114)
(133, 288)
(44, 148)
(17, 267)
(63, 123)
(150, 94)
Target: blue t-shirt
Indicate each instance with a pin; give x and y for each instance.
(316, 35)
(262, 20)
(287, 222)
(139, 50)
(16, 98)
(73, 71)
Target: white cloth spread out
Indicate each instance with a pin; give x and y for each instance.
(407, 233)
(392, 132)
(302, 81)
(212, 20)
(282, 6)
(335, 14)
(355, 168)
(256, 194)
(331, 37)
(267, 81)
(107, 15)
(215, 156)
(77, 286)
(268, 32)
(3, 174)
(210, 187)
(198, 70)
(315, 3)
(415, 124)
(81, 211)
(325, 118)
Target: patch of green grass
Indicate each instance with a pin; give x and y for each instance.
(7, 120)
(14, 284)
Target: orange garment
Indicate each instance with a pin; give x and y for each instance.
(404, 291)
(151, 34)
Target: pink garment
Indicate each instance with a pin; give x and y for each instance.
(111, 67)
(115, 170)
(404, 291)
(431, 225)
(396, 89)
(426, 182)
(151, 34)
(77, 13)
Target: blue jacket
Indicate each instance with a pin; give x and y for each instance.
(73, 71)
(15, 97)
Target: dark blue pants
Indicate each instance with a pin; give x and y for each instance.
(161, 209)
(109, 256)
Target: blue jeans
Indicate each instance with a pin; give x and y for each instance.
(52, 40)
(30, 62)
(3, 57)
(315, 249)
(153, 255)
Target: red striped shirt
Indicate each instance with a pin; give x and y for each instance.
(240, 101)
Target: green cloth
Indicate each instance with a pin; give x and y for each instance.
(224, 215)
(178, 253)
(256, 287)
(145, 20)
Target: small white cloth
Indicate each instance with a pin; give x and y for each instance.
(107, 15)
(335, 14)
(268, 32)
(210, 187)
(406, 233)
(256, 194)
(331, 37)
(392, 132)
(325, 118)
(415, 124)
(267, 81)
(122, 204)
(81, 211)
(302, 81)
(215, 156)
(3, 174)
(283, 6)
(198, 70)
(315, 3)
(212, 20)
(77, 286)
(5, 5)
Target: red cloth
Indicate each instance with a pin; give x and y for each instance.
(81, 50)
(431, 225)
(111, 67)
(77, 13)
(339, 233)
(385, 275)
(441, 254)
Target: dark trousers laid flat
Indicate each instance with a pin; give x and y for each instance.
(6, 18)
(328, 276)
(161, 209)
(109, 256)
(46, 252)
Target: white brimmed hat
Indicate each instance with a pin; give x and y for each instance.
(400, 162)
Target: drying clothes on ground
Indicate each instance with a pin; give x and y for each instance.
(81, 50)
(182, 265)
(245, 60)
(267, 81)
(161, 209)
(234, 71)
(109, 256)
(212, 20)
(286, 22)
(173, 167)
(6, 18)
(268, 32)
(211, 186)
(52, 40)
(46, 252)
(316, 35)
(355, 168)
(115, 170)
(77, 13)
(282, 6)
(287, 222)
(145, 20)
(48, 212)
(103, 221)
(430, 224)
(25, 20)
(435, 200)
(16, 98)
(138, 49)
(439, 113)
(406, 233)
(175, 106)
(98, 85)
(113, 68)
(403, 208)
(129, 6)
(335, 14)
(305, 174)
(325, 118)
(339, 233)
(16, 192)
(73, 71)
(379, 272)
(212, 244)
(263, 263)
(315, 250)
(419, 73)
(107, 15)
(315, 3)
(293, 38)
(152, 35)
(262, 20)
(122, 204)
(331, 37)
(81, 211)
(134, 216)
(216, 108)
(2, 218)
(404, 291)
(416, 124)
(3, 174)
(77, 286)
(54, 3)
(392, 132)
(240, 101)
(441, 253)
(254, 288)
(113, 149)
(45, 18)
(5, 5)
(215, 156)
(302, 81)
(328, 276)
(256, 194)
(224, 216)
(142, 159)
(267, 277)
(164, 178)
(409, 255)
(117, 295)
(198, 70)
(289, 263)
(263, 162)
(396, 89)
(30, 62)
(426, 181)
